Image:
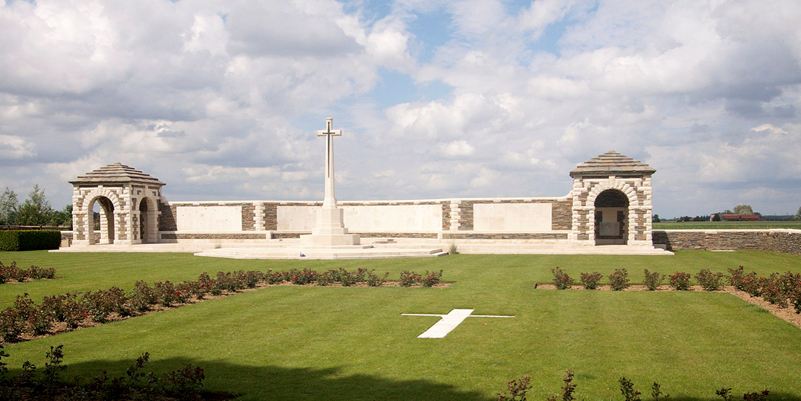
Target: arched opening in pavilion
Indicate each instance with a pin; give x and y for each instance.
(611, 218)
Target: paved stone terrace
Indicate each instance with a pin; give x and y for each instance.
(381, 247)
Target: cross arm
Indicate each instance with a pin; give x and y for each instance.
(336, 132)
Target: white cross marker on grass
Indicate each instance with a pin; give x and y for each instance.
(447, 323)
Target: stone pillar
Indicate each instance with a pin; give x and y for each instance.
(455, 214)
(258, 216)
(583, 221)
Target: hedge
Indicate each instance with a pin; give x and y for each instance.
(29, 240)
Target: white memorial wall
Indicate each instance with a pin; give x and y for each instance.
(384, 218)
(393, 218)
(297, 218)
(512, 217)
(209, 218)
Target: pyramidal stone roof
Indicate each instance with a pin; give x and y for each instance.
(612, 163)
(116, 173)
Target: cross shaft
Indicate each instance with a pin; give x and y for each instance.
(330, 200)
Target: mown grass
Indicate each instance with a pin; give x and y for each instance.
(727, 225)
(310, 343)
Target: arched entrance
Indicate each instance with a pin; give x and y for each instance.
(607, 190)
(127, 206)
(611, 218)
(148, 220)
(106, 223)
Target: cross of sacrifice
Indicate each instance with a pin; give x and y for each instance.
(448, 322)
(329, 133)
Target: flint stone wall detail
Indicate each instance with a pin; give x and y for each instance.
(782, 241)
(535, 236)
(190, 236)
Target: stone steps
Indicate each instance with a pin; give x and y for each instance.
(168, 248)
(321, 253)
(559, 249)
(291, 249)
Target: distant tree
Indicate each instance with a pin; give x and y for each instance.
(36, 210)
(728, 211)
(656, 218)
(62, 217)
(743, 209)
(716, 217)
(8, 207)
(797, 214)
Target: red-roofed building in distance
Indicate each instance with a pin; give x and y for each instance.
(736, 217)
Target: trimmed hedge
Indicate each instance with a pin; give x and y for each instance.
(29, 240)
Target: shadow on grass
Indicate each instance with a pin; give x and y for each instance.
(279, 383)
(737, 396)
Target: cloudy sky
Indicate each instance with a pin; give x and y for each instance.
(437, 99)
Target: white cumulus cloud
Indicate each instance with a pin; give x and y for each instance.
(458, 149)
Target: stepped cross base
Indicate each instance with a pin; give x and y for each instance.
(329, 241)
(330, 230)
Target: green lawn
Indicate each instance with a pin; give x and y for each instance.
(727, 225)
(324, 343)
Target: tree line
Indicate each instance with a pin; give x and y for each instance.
(34, 211)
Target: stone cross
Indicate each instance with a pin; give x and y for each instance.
(330, 230)
(329, 200)
(448, 322)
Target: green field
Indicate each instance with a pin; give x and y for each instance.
(321, 343)
(727, 225)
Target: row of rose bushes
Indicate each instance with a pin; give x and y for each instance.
(48, 384)
(516, 390)
(74, 309)
(13, 273)
(779, 289)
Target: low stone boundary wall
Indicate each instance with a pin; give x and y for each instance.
(59, 228)
(502, 236)
(783, 241)
(171, 237)
(397, 235)
(446, 235)
(66, 238)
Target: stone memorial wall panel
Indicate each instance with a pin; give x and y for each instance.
(367, 218)
(512, 217)
(297, 218)
(399, 218)
(209, 218)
